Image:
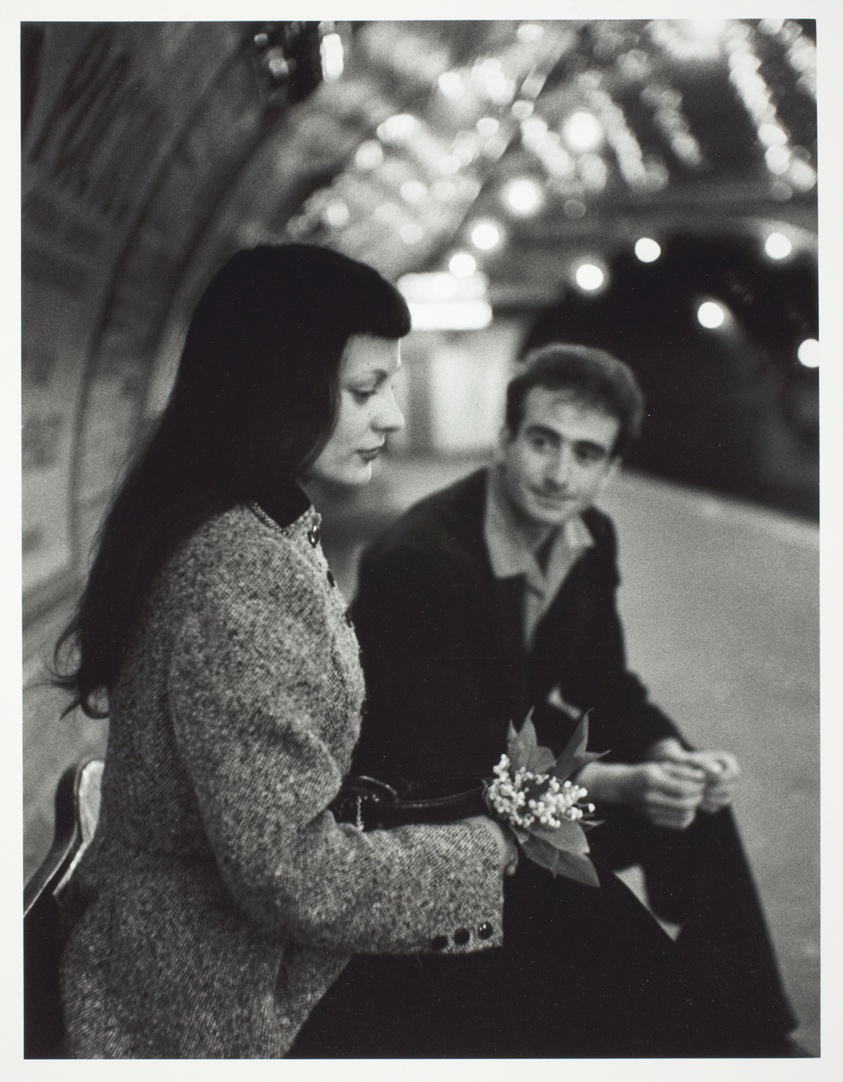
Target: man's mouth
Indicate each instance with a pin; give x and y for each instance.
(552, 497)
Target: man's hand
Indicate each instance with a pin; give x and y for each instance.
(721, 771)
(665, 793)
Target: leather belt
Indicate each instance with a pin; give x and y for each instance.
(373, 804)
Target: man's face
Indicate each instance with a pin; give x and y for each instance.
(560, 458)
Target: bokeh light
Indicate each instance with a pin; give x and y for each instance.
(777, 246)
(589, 277)
(647, 250)
(711, 315)
(486, 235)
(809, 353)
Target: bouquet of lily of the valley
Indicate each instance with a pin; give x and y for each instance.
(546, 811)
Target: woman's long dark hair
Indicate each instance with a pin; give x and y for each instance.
(254, 401)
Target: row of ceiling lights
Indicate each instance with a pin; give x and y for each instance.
(487, 235)
(590, 277)
(714, 315)
(582, 131)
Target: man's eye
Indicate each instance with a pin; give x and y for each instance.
(589, 456)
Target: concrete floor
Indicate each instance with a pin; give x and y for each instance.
(720, 601)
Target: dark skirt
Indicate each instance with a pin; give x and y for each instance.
(584, 972)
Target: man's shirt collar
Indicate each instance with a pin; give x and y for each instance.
(511, 556)
(509, 553)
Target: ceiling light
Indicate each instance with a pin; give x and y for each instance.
(450, 315)
(462, 264)
(777, 246)
(336, 214)
(523, 195)
(529, 32)
(778, 159)
(809, 353)
(398, 127)
(533, 128)
(443, 286)
(589, 277)
(583, 131)
(451, 84)
(369, 155)
(772, 135)
(487, 125)
(647, 250)
(522, 109)
(413, 191)
(486, 236)
(711, 315)
(802, 175)
(331, 53)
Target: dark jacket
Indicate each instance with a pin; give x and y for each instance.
(446, 670)
(444, 653)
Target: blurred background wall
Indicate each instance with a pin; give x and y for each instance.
(648, 186)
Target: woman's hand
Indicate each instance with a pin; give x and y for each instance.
(505, 842)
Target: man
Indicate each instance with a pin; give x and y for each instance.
(498, 595)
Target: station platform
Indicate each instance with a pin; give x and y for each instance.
(721, 606)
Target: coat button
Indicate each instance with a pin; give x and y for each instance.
(485, 930)
(462, 936)
(439, 942)
(331, 578)
(313, 535)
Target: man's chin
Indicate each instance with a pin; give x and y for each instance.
(553, 514)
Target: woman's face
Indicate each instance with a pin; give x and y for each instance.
(367, 411)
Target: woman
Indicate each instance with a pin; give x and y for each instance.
(221, 897)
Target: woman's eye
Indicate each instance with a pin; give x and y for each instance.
(363, 395)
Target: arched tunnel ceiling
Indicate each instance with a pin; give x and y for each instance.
(622, 125)
(152, 150)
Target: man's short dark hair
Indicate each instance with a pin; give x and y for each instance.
(592, 377)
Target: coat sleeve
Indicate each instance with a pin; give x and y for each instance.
(245, 678)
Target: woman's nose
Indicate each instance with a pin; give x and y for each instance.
(389, 418)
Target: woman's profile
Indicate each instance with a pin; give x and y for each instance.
(221, 897)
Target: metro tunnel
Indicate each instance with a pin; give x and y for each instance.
(647, 187)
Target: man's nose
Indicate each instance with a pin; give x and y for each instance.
(558, 471)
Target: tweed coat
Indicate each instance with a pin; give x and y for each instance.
(220, 899)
